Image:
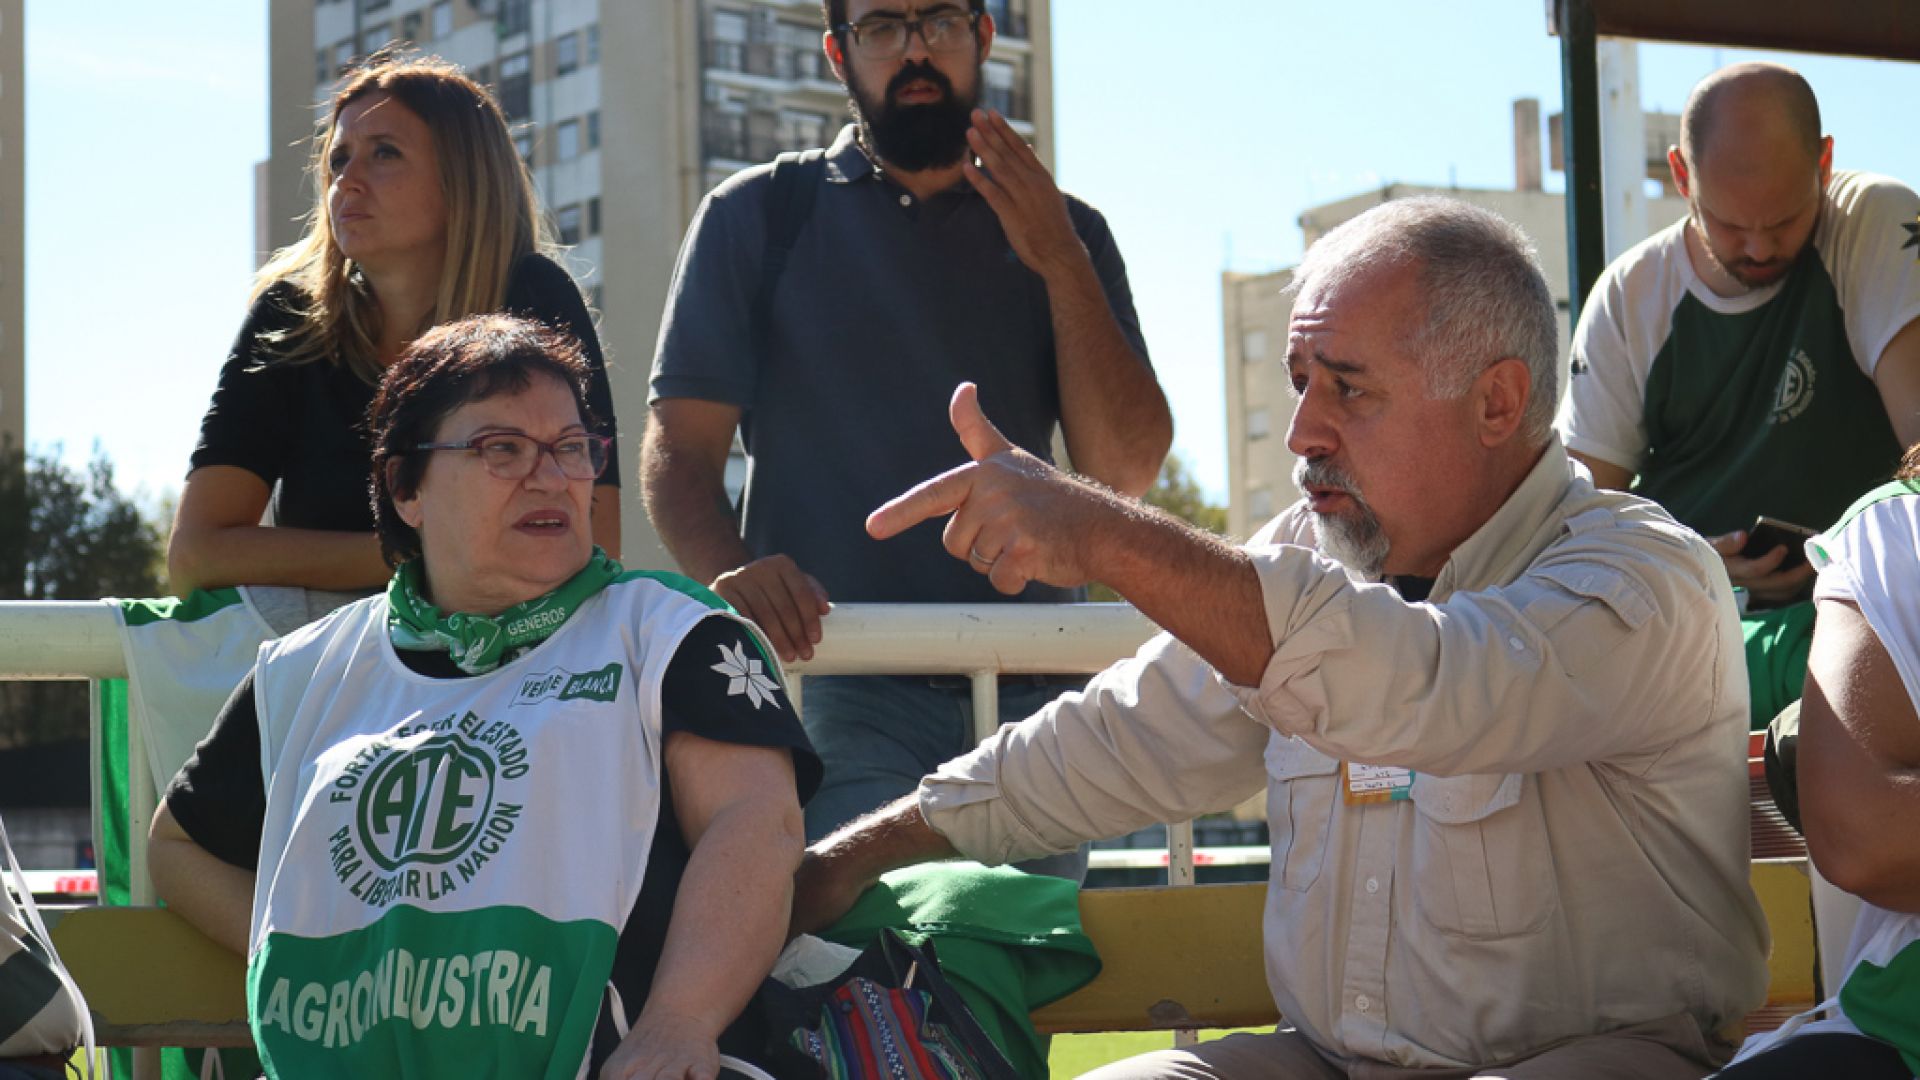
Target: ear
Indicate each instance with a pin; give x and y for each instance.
(1826, 160)
(409, 507)
(986, 30)
(830, 44)
(1677, 163)
(1500, 400)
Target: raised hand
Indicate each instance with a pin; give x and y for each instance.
(1022, 193)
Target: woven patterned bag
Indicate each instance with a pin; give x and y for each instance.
(892, 1016)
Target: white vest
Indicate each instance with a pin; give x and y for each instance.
(446, 864)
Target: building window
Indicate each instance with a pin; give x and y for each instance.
(999, 90)
(322, 65)
(566, 141)
(799, 130)
(567, 221)
(1253, 346)
(516, 86)
(1259, 424)
(566, 54)
(726, 133)
(375, 37)
(593, 130)
(368, 7)
(523, 144)
(593, 44)
(514, 18)
(1259, 505)
(410, 26)
(593, 216)
(729, 50)
(342, 56)
(442, 18)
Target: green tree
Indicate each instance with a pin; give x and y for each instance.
(1178, 493)
(65, 535)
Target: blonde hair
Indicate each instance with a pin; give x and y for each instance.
(493, 217)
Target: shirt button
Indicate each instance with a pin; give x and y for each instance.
(906, 200)
(1516, 643)
(1373, 885)
(1363, 1003)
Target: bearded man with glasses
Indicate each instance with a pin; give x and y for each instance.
(825, 307)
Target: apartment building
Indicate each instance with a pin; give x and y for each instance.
(628, 113)
(1255, 308)
(13, 233)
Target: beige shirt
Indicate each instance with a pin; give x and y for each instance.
(1574, 854)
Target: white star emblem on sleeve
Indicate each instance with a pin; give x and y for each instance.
(745, 675)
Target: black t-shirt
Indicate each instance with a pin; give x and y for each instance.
(219, 797)
(302, 427)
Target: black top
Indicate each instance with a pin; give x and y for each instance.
(220, 799)
(302, 427)
(886, 303)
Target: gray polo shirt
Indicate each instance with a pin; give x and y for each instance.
(886, 304)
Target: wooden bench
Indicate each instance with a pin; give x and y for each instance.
(1172, 958)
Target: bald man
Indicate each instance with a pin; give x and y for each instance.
(1761, 356)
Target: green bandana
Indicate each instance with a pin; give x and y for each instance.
(479, 643)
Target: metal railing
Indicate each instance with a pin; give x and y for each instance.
(80, 640)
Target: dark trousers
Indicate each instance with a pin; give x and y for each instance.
(1824, 1053)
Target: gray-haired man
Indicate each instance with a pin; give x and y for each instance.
(1499, 714)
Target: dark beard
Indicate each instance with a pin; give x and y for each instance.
(915, 138)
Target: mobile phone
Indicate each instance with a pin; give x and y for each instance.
(1769, 533)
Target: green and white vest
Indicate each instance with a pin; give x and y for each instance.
(446, 865)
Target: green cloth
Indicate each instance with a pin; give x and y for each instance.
(1777, 643)
(1009, 942)
(479, 643)
(1883, 1001)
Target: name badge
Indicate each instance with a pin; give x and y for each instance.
(1362, 784)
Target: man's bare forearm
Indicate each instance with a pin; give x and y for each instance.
(686, 499)
(1196, 586)
(1112, 411)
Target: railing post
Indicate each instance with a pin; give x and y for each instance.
(1580, 129)
(986, 704)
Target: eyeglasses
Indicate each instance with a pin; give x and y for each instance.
(512, 456)
(885, 38)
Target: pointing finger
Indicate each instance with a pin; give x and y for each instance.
(976, 432)
(928, 499)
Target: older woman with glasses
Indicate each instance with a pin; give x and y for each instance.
(523, 813)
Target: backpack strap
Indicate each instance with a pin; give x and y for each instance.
(796, 183)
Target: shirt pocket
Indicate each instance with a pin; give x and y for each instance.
(1481, 864)
(1301, 790)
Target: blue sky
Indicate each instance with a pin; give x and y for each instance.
(1202, 135)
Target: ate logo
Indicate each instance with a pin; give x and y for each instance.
(424, 808)
(426, 804)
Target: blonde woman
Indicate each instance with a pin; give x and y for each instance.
(423, 214)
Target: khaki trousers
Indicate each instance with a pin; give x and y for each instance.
(1667, 1049)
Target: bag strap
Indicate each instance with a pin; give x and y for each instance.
(797, 176)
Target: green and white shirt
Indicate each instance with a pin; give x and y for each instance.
(1871, 560)
(1731, 407)
(446, 865)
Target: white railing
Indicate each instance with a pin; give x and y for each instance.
(80, 640)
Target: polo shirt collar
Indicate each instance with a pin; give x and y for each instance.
(1517, 531)
(847, 160)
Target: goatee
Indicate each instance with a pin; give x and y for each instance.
(1355, 540)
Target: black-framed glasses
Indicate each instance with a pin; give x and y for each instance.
(511, 455)
(883, 37)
